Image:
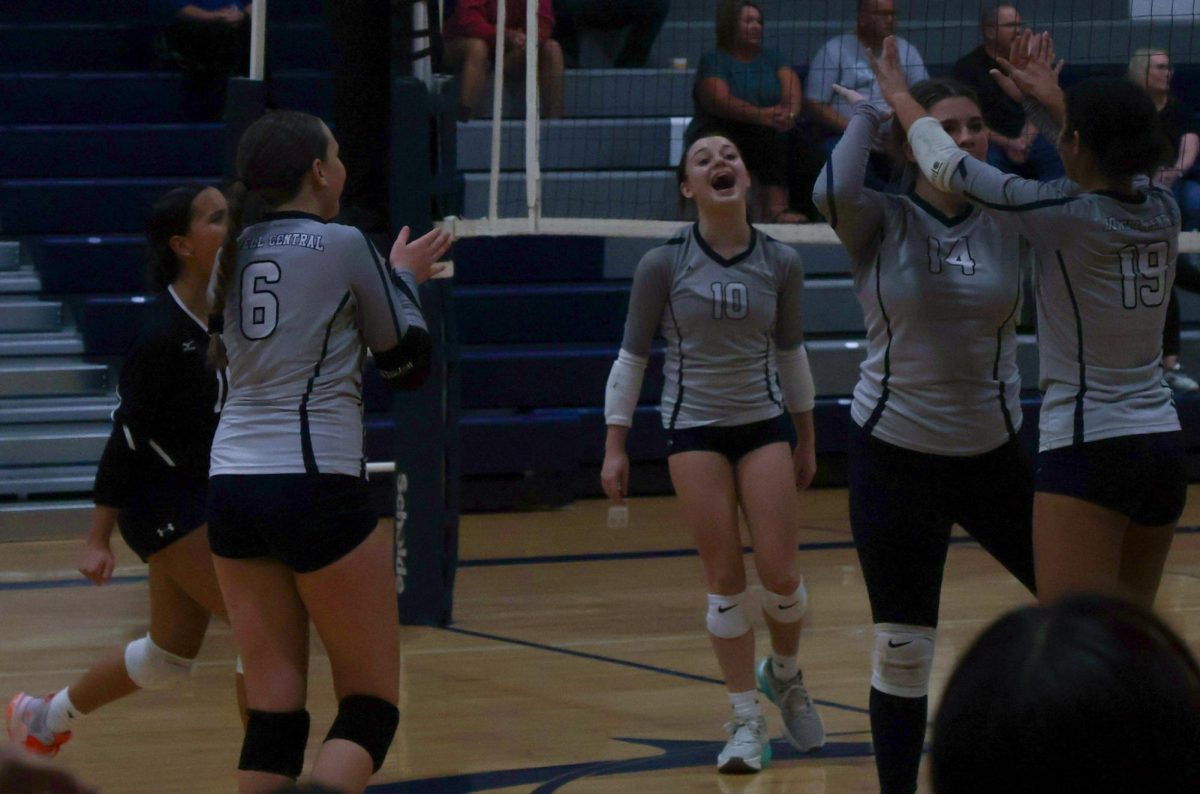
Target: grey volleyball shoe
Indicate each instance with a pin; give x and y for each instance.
(802, 725)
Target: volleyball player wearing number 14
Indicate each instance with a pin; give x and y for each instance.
(933, 438)
(1110, 476)
(298, 301)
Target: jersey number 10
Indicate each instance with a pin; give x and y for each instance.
(730, 300)
(1143, 274)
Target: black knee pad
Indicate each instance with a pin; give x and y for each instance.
(368, 722)
(275, 742)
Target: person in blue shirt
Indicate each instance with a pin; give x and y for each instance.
(755, 98)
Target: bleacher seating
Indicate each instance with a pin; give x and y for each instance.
(93, 130)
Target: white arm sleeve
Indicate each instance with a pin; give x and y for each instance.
(795, 378)
(624, 386)
(936, 153)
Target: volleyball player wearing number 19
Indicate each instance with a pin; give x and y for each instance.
(299, 300)
(933, 441)
(1110, 477)
(727, 298)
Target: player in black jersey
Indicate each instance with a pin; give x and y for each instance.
(153, 477)
(298, 301)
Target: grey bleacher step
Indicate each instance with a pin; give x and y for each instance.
(55, 443)
(27, 480)
(30, 314)
(51, 376)
(41, 343)
(10, 255)
(32, 410)
(48, 519)
(23, 279)
(576, 144)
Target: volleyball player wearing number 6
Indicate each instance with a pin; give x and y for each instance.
(727, 299)
(297, 302)
(933, 438)
(1110, 475)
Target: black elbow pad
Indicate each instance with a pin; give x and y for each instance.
(406, 366)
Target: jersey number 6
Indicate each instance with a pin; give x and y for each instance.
(260, 307)
(1143, 274)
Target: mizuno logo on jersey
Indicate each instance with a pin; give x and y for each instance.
(189, 346)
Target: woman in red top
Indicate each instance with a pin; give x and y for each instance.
(470, 43)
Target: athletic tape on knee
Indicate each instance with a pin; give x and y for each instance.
(150, 667)
(369, 722)
(786, 608)
(274, 742)
(726, 618)
(902, 659)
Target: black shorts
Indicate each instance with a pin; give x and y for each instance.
(165, 511)
(306, 521)
(732, 441)
(1140, 476)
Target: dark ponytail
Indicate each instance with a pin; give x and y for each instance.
(170, 215)
(273, 157)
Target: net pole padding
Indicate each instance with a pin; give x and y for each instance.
(422, 43)
(258, 40)
(1189, 242)
(533, 173)
(497, 113)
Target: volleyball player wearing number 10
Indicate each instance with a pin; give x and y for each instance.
(727, 299)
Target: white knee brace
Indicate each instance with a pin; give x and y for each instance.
(726, 618)
(150, 667)
(903, 659)
(786, 608)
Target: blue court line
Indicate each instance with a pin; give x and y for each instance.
(595, 657)
(672, 755)
(51, 584)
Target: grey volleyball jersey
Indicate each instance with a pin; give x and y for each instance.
(305, 301)
(723, 320)
(1105, 270)
(940, 298)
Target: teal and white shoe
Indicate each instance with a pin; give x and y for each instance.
(747, 750)
(802, 725)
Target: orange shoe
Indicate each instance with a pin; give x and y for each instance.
(23, 714)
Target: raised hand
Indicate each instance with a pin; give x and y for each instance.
(855, 98)
(889, 72)
(1031, 70)
(420, 257)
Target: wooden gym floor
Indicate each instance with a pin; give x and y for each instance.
(577, 662)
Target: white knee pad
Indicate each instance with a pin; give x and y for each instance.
(150, 667)
(902, 659)
(726, 618)
(786, 608)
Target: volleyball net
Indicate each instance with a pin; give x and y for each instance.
(604, 165)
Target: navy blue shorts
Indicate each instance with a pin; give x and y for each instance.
(165, 512)
(732, 441)
(1140, 476)
(306, 521)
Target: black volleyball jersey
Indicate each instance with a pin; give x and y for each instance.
(170, 403)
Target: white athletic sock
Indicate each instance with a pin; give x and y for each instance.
(62, 712)
(784, 667)
(745, 704)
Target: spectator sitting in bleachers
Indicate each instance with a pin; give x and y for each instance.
(754, 97)
(639, 20)
(1014, 143)
(1090, 694)
(843, 61)
(1151, 69)
(207, 37)
(470, 43)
